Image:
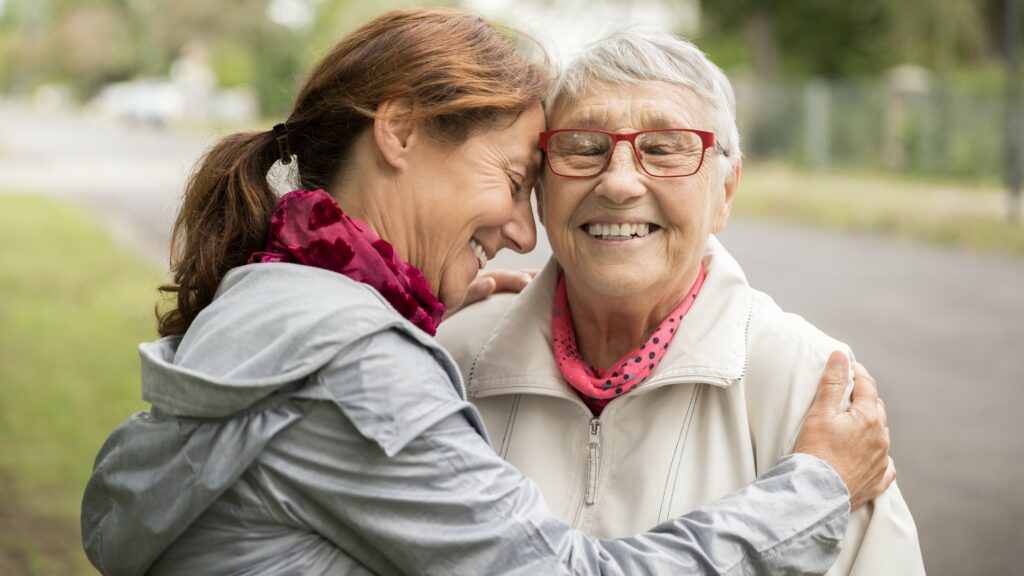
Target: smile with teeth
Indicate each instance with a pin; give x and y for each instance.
(478, 250)
(620, 231)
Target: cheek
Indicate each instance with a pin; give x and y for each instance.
(689, 210)
(559, 204)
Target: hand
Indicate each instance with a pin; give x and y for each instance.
(497, 281)
(856, 442)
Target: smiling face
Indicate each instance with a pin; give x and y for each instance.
(471, 200)
(624, 233)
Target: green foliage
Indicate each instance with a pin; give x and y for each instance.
(233, 65)
(74, 309)
(839, 38)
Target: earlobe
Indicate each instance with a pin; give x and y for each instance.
(394, 131)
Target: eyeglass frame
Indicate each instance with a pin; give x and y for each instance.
(707, 140)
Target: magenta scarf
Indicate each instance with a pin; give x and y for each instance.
(308, 227)
(598, 387)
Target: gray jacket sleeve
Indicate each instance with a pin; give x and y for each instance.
(442, 502)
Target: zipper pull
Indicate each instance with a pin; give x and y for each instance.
(593, 459)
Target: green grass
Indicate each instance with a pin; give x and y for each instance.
(73, 308)
(946, 213)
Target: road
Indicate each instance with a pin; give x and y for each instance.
(942, 330)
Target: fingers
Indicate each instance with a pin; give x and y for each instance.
(880, 409)
(508, 280)
(865, 392)
(832, 384)
(890, 475)
(480, 288)
(531, 272)
(860, 371)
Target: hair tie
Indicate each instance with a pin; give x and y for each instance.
(281, 135)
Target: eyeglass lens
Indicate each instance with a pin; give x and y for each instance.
(662, 153)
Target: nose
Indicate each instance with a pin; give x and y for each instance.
(520, 233)
(623, 179)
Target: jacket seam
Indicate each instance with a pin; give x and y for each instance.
(677, 457)
(506, 439)
(689, 424)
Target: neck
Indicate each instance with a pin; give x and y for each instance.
(607, 328)
(364, 193)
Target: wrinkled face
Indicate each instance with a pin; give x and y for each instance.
(472, 200)
(624, 233)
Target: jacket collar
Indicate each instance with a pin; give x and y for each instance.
(710, 347)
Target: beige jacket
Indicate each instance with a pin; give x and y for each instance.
(724, 405)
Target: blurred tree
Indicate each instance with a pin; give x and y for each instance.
(840, 38)
(265, 44)
(335, 18)
(91, 44)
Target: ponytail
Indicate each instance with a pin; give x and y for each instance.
(223, 219)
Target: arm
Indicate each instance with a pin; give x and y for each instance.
(446, 504)
(441, 501)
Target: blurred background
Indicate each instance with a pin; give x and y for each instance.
(879, 199)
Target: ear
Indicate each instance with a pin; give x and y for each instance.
(732, 182)
(393, 131)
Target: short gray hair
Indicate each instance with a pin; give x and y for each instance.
(634, 56)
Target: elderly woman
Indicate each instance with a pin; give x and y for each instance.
(640, 376)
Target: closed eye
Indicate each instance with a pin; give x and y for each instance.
(515, 183)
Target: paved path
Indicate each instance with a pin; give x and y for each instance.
(127, 176)
(942, 330)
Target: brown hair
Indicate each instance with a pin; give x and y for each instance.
(462, 73)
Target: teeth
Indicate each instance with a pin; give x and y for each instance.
(618, 231)
(478, 250)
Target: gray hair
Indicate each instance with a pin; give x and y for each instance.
(634, 56)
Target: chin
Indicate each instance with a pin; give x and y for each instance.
(622, 281)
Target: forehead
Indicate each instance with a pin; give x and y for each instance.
(638, 107)
(514, 139)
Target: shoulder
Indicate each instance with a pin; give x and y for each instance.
(773, 331)
(275, 318)
(292, 303)
(786, 357)
(297, 288)
(466, 332)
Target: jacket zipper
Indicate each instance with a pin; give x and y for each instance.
(593, 459)
(593, 468)
(594, 438)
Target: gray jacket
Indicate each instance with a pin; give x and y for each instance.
(302, 426)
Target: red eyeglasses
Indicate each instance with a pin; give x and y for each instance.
(662, 152)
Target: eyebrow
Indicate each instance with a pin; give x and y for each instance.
(654, 117)
(661, 121)
(520, 165)
(650, 120)
(588, 121)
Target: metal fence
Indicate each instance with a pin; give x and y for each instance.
(906, 122)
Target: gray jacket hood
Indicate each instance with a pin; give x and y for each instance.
(219, 394)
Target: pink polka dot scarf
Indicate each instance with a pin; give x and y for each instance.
(308, 227)
(597, 387)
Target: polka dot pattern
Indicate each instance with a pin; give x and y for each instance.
(598, 387)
